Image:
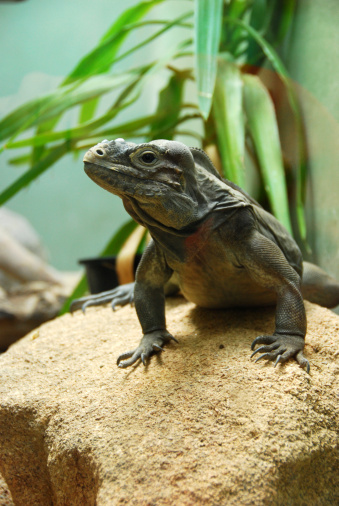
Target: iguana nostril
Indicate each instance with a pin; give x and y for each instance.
(100, 152)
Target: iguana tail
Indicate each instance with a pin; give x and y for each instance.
(319, 287)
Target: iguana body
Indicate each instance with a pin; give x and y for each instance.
(210, 240)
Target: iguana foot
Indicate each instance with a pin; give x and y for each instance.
(281, 348)
(119, 296)
(149, 344)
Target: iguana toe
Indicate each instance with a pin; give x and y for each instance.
(119, 296)
(151, 343)
(280, 348)
(262, 340)
(303, 361)
(265, 348)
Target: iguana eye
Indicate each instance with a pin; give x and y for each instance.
(148, 157)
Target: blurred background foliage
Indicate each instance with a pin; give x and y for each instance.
(225, 38)
(219, 79)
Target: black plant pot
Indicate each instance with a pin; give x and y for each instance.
(101, 272)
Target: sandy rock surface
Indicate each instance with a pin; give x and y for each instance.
(201, 424)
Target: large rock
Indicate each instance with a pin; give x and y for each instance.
(202, 424)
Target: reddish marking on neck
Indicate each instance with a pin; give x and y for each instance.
(196, 241)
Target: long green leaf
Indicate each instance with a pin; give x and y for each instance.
(172, 53)
(229, 121)
(145, 73)
(112, 248)
(119, 238)
(88, 109)
(19, 160)
(34, 172)
(119, 104)
(75, 134)
(80, 289)
(101, 57)
(207, 26)
(263, 128)
(272, 56)
(169, 107)
(88, 129)
(39, 110)
(284, 14)
(260, 20)
(168, 25)
(277, 64)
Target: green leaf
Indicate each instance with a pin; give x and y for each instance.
(207, 26)
(263, 129)
(260, 20)
(135, 80)
(168, 25)
(42, 109)
(101, 57)
(119, 238)
(283, 18)
(78, 292)
(229, 121)
(118, 105)
(169, 107)
(131, 15)
(84, 132)
(88, 109)
(280, 69)
(270, 53)
(112, 248)
(34, 172)
(19, 160)
(89, 130)
(261, 14)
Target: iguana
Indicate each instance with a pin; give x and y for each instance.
(211, 240)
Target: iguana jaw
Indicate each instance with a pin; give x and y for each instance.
(118, 181)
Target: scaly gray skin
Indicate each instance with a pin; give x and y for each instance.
(210, 240)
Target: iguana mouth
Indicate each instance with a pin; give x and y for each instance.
(124, 172)
(91, 160)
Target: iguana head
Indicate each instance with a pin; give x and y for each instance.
(137, 170)
(161, 181)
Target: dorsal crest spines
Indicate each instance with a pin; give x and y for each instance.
(202, 159)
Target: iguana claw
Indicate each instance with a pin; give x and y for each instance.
(277, 361)
(151, 343)
(156, 347)
(281, 348)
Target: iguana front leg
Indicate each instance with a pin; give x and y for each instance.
(267, 265)
(119, 296)
(149, 299)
